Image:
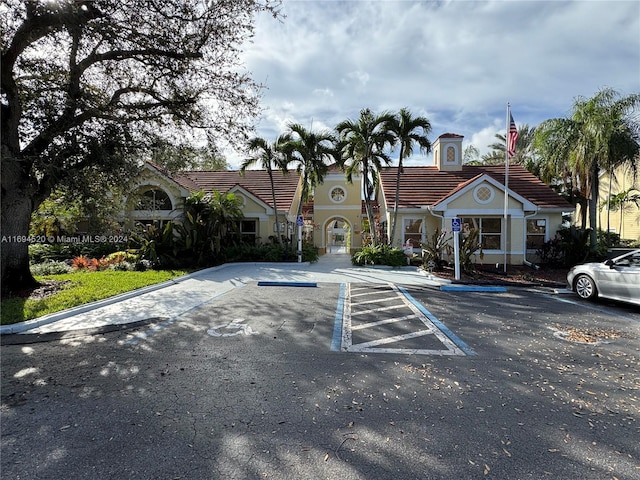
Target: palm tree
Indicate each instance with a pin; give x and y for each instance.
(622, 201)
(362, 145)
(408, 131)
(552, 142)
(471, 155)
(309, 150)
(524, 149)
(269, 157)
(601, 133)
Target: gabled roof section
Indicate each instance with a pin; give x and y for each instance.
(475, 181)
(460, 187)
(427, 186)
(162, 172)
(254, 181)
(245, 191)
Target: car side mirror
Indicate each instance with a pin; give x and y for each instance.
(609, 263)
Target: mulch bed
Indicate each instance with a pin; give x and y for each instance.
(44, 290)
(516, 275)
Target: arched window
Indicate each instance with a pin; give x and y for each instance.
(154, 199)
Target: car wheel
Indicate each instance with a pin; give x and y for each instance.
(585, 287)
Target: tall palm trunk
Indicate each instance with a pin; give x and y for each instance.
(609, 208)
(368, 194)
(275, 205)
(593, 207)
(396, 202)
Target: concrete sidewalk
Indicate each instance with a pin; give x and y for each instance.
(172, 299)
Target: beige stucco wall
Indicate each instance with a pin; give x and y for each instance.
(326, 210)
(625, 222)
(466, 204)
(254, 209)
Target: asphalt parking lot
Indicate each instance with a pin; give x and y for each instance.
(252, 385)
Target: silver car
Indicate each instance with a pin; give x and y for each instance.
(617, 279)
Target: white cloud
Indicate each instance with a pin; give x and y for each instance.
(456, 62)
(486, 136)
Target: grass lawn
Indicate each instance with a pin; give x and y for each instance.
(74, 289)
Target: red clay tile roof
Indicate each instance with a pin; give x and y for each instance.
(254, 181)
(423, 186)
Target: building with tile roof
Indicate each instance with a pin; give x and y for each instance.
(429, 198)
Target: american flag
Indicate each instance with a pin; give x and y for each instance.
(512, 137)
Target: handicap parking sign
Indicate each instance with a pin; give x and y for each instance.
(456, 223)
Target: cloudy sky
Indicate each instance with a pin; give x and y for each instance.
(456, 62)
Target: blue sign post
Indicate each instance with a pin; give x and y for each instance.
(300, 223)
(456, 224)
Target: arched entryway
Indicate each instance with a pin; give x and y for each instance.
(337, 234)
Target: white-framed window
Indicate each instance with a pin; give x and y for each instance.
(412, 230)
(338, 194)
(490, 231)
(153, 199)
(536, 233)
(248, 230)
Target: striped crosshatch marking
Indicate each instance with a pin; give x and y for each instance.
(386, 319)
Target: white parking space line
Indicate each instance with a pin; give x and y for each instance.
(382, 322)
(381, 309)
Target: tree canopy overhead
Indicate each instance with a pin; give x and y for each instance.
(89, 84)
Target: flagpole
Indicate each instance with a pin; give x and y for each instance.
(506, 185)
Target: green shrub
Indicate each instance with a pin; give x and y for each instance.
(42, 252)
(433, 249)
(309, 253)
(569, 247)
(50, 268)
(122, 267)
(632, 243)
(99, 250)
(608, 239)
(379, 255)
(157, 245)
(122, 256)
(469, 246)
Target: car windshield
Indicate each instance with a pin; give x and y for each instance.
(631, 259)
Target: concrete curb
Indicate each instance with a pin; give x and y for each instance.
(105, 302)
(63, 314)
